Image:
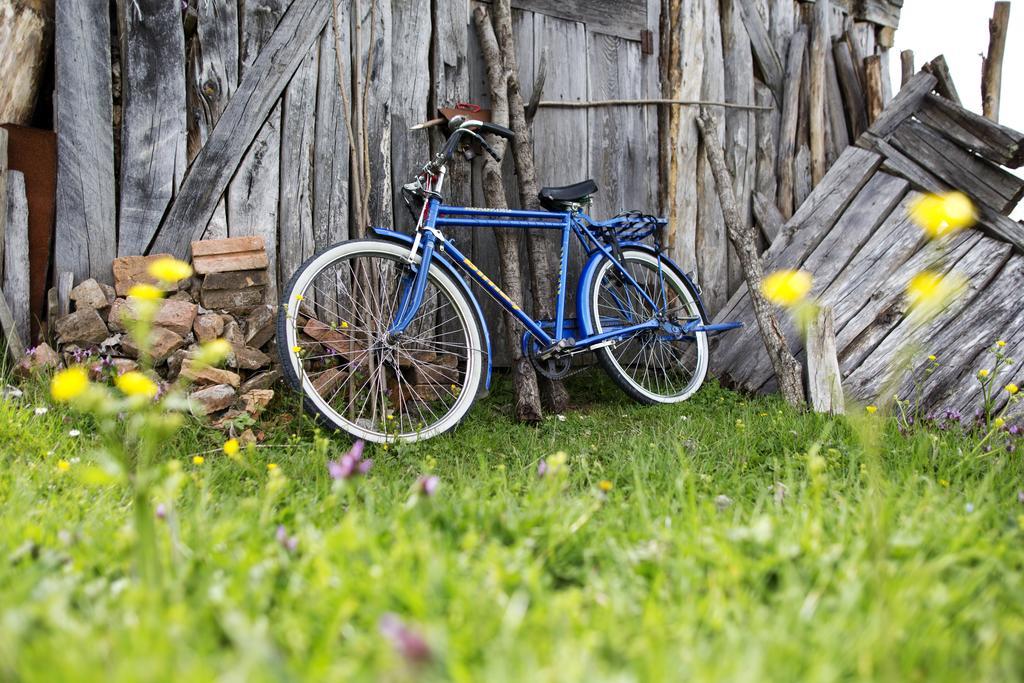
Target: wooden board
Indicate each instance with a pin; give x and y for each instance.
(240, 123)
(374, 50)
(450, 70)
(824, 381)
(15, 256)
(153, 127)
(331, 164)
(85, 240)
(764, 52)
(622, 18)
(410, 83)
(998, 144)
(789, 122)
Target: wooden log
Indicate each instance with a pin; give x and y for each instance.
(686, 72)
(839, 133)
(992, 65)
(904, 105)
(820, 41)
(744, 239)
(790, 120)
(410, 83)
(153, 127)
(802, 181)
(15, 256)
(65, 283)
(765, 54)
(783, 25)
(768, 216)
(982, 180)
(212, 66)
(767, 147)
(295, 243)
(85, 239)
(944, 82)
(853, 93)
(4, 138)
(906, 66)
(824, 381)
(886, 77)
(253, 195)
(873, 87)
(245, 114)
(26, 32)
(712, 241)
(998, 144)
(15, 349)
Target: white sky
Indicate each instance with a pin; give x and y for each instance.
(959, 30)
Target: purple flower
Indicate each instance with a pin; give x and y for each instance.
(161, 511)
(1020, 497)
(542, 468)
(289, 543)
(427, 485)
(406, 642)
(350, 464)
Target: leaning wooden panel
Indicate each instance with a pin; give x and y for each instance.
(255, 98)
(331, 164)
(85, 241)
(998, 144)
(15, 257)
(410, 84)
(153, 127)
(372, 57)
(450, 73)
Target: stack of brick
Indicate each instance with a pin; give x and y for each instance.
(226, 298)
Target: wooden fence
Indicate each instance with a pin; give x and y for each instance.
(226, 119)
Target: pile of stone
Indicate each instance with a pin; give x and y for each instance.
(226, 298)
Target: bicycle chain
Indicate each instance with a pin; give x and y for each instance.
(538, 366)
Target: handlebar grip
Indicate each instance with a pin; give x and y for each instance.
(498, 130)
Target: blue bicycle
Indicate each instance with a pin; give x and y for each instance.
(386, 341)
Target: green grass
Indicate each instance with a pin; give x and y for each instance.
(889, 558)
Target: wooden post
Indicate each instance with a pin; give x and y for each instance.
(24, 46)
(945, 86)
(524, 378)
(873, 87)
(853, 92)
(744, 239)
(790, 119)
(992, 66)
(819, 43)
(3, 193)
(15, 259)
(65, 283)
(907, 66)
(824, 379)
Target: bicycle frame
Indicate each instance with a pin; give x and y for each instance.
(429, 240)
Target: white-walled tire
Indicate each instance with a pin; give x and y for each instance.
(649, 368)
(332, 340)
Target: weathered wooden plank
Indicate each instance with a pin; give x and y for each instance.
(768, 216)
(373, 42)
(907, 68)
(253, 194)
(295, 239)
(975, 176)
(740, 125)
(820, 41)
(824, 381)
(873, 87)
(240, 123)
(839, 134)
(15, 349)
(998, 144)
(767, 147)
(883, 57)
(904, 105)
(450, 74)
(802, 181)
(944, 81)
(849, 83)
(783, 24)
(790, 120)
(764, 51)
(331, 164)
(410, 84)
(712, 242)
(65, 283)
(686, 73)
(153, 127)
(3, 191)
(883, 12)
(85, 240)
(621, 18)
(15, 257)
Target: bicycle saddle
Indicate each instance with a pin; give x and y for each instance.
(558, 198)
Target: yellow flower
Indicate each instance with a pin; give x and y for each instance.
(63, 465)
(787, 287)
(145, 292)
(1000, 343)
(929, 292)
(170, 269)
(942, 215)
(231, 447)
(931, 358)
(213, 352)
(136, 384)
(69, 384)
(1012, 388)
(298, 297)
(557, 462)
(271, 466)
(998, 423)
(943, 483)
(605, 485)
(344, 325)
(296, 349)
(871, 409)
(198, 459)
(982, 374)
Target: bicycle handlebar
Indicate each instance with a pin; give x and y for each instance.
(471, 128)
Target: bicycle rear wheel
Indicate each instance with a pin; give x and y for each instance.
(334, 344)
(650, 366)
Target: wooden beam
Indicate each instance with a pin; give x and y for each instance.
(256, 96)
(944, 82)
(3, 191)
(904, 105)
(824, 380)
(768, 217)
(85, 240)
(790, 120)
(765, 55)
(622, 18)
(15, 349)
(849, 83)
(906, 66)
(153, 127)
(15, 259)
(992, 66)
(998, 144)
(873, 87)
(819, 44)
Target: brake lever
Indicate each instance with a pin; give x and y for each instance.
(487, 148)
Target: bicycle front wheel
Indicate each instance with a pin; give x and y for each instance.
(335, 348)
(650, 366)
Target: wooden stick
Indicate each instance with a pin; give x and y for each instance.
(873, 87)
(626, 103)
(16, 264)
(824, 379)
(907, 66)
(744, 239)
(992, 66)
(945, 86)
(790, 120)
(819, 43)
